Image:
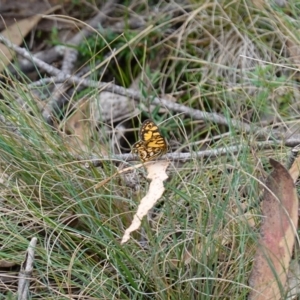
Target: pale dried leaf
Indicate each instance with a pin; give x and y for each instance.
(259, 3)
(157, 175)
(294, 169)
(249, 217)
(274, 250)
(294, 51)
(111, 107)
(77, 128)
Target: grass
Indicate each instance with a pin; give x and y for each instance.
(199, 243)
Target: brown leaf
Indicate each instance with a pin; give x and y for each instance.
(16, 34)
(7, 264)
(294, 52)
(77, 126)
(78, 129)
(274, 250)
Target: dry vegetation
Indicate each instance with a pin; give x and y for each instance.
(221, 80)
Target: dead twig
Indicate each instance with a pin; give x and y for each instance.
(48, 56)
(70, 58)
(26, 271)
(186, 156)
(179, 108)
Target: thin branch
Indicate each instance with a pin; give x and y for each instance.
(187, 156)
(26, 271)
(180, 108)
(49, 56)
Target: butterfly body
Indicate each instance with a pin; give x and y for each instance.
(152, 144)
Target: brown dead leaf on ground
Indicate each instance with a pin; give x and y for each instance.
(8, 273)
(280, 210)
(294, 52)
(7, 264)
(78, 129)
(16, 34)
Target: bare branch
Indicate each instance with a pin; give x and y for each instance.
(186, 156)
(26, 271)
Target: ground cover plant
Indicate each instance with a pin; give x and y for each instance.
(219, 79)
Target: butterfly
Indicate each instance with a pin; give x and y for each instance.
(151, 144)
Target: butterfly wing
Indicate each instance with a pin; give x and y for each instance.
(152, 143)
(150, 134)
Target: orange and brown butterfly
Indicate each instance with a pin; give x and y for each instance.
(151, 144)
